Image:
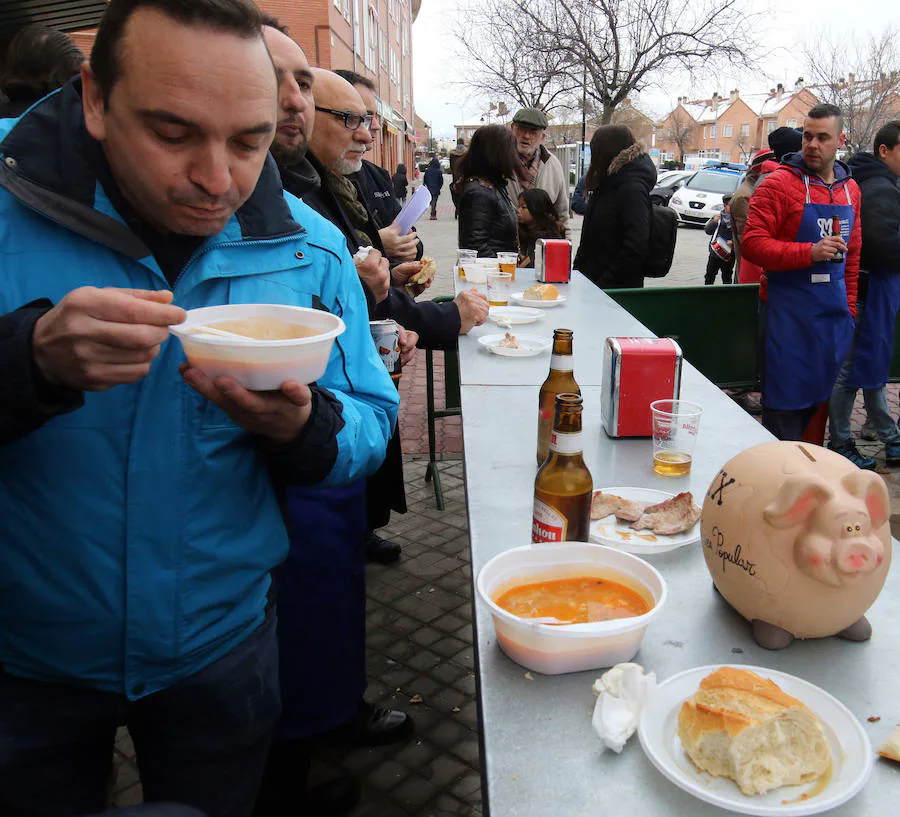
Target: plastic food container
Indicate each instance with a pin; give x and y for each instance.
(553, 649)
(260, 365)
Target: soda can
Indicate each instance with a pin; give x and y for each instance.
(386, 335)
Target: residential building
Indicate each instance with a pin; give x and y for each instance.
(370, 37)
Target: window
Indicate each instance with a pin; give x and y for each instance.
(726, 130)
(771, 125)
(337, 4)
(712, 131)
(745, 129)
(404, 31)
(395, 67)
(371, 28)
(357, 33)
(383, 46)
(705, 129)
(791, 123)
(345, 9)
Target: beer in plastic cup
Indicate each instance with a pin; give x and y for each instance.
(675, 427)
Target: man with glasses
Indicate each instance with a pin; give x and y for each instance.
(376, 187)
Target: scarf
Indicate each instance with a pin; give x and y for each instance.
(348, 197)
(529, 169)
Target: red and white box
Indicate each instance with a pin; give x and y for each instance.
(637, 371)
(553, 260)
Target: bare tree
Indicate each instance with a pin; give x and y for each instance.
(496, 48)
(680, 131)
(861, 77)
(613, 48)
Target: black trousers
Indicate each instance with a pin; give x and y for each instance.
(714, 264)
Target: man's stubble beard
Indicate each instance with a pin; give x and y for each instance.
(287, 156)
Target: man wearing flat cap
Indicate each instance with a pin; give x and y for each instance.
(540, 168)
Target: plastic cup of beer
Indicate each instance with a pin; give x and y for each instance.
(675, 427)
(464, 257)
(499, 285)
(508, 262)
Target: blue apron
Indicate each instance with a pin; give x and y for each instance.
(321, 598)
(874, 342)
(809, 323)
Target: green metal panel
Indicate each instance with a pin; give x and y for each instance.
(715, 326)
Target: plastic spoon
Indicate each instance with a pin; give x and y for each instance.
(219, 333)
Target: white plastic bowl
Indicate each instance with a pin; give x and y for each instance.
(553, 649)
(260, 365)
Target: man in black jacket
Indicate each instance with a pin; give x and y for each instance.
(376, 186)
(868, 363)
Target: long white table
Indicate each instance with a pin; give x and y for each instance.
(540, 756)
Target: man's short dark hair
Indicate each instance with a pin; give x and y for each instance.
(825, 110)
(272, 21)
(888, 135)
(239, 17)
(39, 60)
(356, 79)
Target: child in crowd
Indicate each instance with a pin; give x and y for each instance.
(721, 246)
(537, 219)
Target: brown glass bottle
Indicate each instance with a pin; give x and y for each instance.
(563, 486)
(560, 380)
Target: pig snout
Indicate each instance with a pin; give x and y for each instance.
(859, 555)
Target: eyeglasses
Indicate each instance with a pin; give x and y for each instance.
(352, 121)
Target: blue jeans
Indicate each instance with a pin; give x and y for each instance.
(202, 742)
(840, 407)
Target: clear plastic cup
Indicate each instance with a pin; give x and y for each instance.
(463, 257)
(508, 262)
(475, 273)
(675, 427)
(499, 285)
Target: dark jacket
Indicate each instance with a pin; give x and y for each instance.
(437, 324)
(487, 218)
(401, 185)
(377, 190)
(879, 212)
(434, 178)
(616, 230)
(12, 108)
(579, 200)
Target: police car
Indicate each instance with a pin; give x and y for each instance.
(700, 197)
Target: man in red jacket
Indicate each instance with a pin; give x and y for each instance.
(803, 229)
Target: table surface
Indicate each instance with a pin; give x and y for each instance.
(540, 754)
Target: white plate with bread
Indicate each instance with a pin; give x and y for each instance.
(541, 296)
(761, 730)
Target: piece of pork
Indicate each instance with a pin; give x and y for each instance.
(674, 515)
(628, 510)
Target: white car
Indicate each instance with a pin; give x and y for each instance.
(701, 196)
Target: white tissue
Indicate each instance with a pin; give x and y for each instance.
(361, 254)
(622, 693)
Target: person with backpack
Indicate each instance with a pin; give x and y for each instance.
(616, 234)
(721, 246)
(434, 181)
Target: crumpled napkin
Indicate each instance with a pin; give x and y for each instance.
(622, 692)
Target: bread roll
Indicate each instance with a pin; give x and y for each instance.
(743, 727)
(891, 749)
(541, 292)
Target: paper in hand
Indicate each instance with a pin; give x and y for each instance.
(413, 210)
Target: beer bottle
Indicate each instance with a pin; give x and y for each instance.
(836, 230)
(563, 487)
(561, 379)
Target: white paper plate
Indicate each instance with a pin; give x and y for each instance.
(610, 531)
(851, 753)
(519, 298)
(516, 315)
(531, 345)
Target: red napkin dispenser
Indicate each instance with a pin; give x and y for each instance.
(553, 260)
(637, 371)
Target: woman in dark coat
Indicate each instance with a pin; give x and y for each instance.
(616, 230)
(401, 182)
(487, 218)
(434, 181)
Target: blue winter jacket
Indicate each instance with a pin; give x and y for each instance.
(137, 532)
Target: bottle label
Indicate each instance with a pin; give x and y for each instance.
(548, 524)
(566, 443)
(561, 363)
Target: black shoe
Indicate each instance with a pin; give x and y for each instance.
(381, 550)
(374, 726)
(336, 798)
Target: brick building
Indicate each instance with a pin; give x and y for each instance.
(371, 37)
(730, 128)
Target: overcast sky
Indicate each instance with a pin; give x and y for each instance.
(441, 102)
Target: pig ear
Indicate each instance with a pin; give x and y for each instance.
(870, 487)
(798, 498)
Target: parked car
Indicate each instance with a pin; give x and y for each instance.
(667, 182)
(445, 164)
(700, 197)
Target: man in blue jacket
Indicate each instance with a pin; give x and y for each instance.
(139, 523)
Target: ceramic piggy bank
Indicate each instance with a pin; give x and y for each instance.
(797, 540)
